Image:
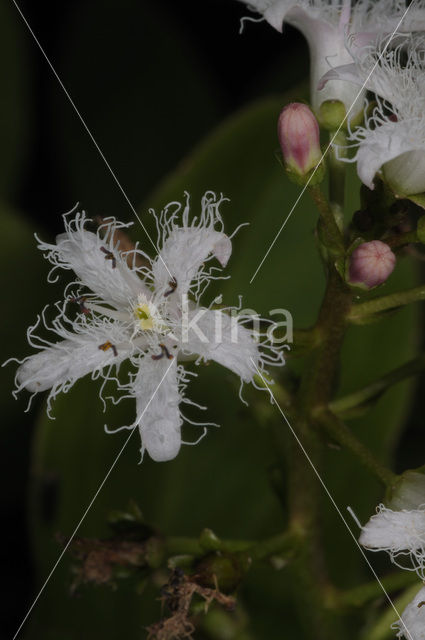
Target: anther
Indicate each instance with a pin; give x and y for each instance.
(421, 604)
(164, 352)
(80, 301)
(109, 256)
(173, 285)
(108, 345)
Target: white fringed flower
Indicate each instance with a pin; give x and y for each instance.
(328, 25)
(412, 623)
(143, 314)
(393, 137)
(401, 534)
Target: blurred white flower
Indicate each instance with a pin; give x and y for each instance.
(412, 623)
(393, 136)
(401, 534)
(144, 314)
(330, 25)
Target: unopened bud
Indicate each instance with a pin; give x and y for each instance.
(371, 264)
(332, 113)
(299, 138)
(333, 116)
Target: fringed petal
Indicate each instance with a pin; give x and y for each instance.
(215, 335)
(96, 260)
(411, 626)
(274, 11)
(399, 533)
(381, 145)
(59, 365)
(187, 246)
(156, 389)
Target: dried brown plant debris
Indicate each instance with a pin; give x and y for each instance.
(98, 559)
(177, 597)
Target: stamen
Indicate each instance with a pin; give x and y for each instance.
(80, 301)
(173, 285)
(109, 256)
(108, 345)
(421, 604)
(164, 352)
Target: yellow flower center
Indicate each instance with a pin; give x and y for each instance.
(144, 315)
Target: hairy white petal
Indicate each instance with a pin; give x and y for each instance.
(96, 261)
(183, 254)
(157, 398)
(406, 173)
(382, 145)
(400, 533)
(60, 365)
(227, 342)
(412, 623)
(187, 246)
(327, 49)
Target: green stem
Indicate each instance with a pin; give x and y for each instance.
(330, 231)
(343, 436)
(304, 340)
(283, 543)
(359, 596)
(321, 375)
(364, 310)
(316, 389)
(350, 404)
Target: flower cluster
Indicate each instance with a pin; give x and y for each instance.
(146, 311)
(335, 31)
(392, 138)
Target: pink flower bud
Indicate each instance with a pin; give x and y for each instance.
(299, 138)
(371, 264)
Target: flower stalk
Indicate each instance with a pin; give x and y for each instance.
(339, 432)
(367, 311)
